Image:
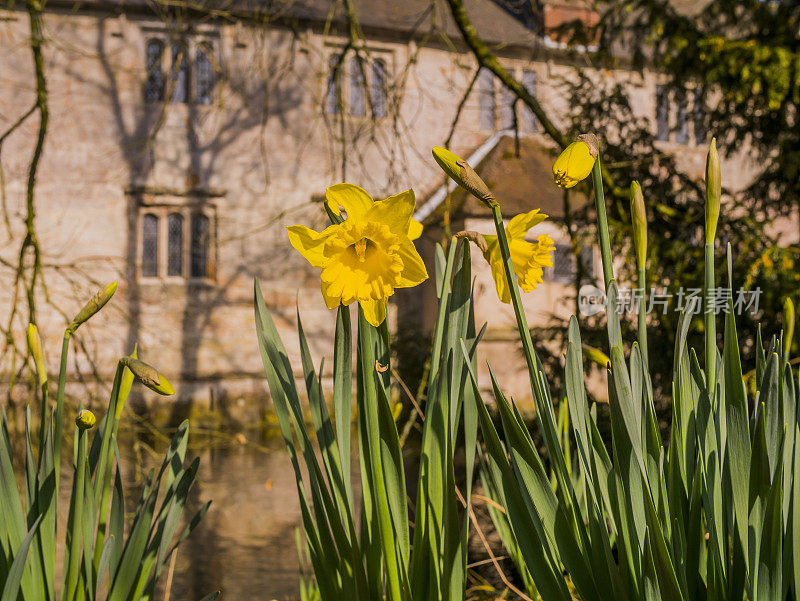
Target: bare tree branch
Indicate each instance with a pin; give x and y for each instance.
(488, 60)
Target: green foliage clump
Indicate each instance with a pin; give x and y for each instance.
(106, 556)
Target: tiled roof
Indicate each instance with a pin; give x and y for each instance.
(402, 18)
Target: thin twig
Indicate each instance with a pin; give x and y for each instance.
(168, 585)
(474, 519)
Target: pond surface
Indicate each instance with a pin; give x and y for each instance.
(246, 543)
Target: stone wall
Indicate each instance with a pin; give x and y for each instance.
(256, 159)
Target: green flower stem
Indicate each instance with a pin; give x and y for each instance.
(544, 411)
(76, 535)
(43, 424)
(710, 321)
(642, 325)
(602, 222)
(59, 425)
(103, 471)
(441, 317)
(367, 336)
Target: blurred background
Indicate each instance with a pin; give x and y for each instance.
(166, 144)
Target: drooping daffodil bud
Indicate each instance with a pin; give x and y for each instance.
(575, 163)
(464, 175)
(639, 220)
(148, 375)
(713, 191)
(474, 237)
(96, 303)
(35, 348)
(85, 419)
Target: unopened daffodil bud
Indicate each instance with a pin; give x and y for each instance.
(788, 326)
(464, 175)
(595, 355)
(397, 410)
(85, 419)
(35, 348)
(96, 303)
(713, 191)
(639, 220)
(148, 375)
(575, 163)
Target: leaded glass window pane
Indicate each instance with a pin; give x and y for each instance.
(699, 118)
(150, 245)
(357, 89)
(529, 122)
(154, 85)
(180, 73)
(563, 269)
(486, 100)
(175, 244)
(378, 89)
(507, 98)
(203, 73)
(200, 239)
(332, 94)
(682, 126)
(662, 113)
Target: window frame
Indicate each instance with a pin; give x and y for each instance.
(487, 100)
(684, 115)
(563, 251)
(505, 108)
(345, 83)
(192, 42)
(163, 208)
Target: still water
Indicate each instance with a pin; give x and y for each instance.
(246, 543)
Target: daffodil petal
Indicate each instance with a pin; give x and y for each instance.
(414, 229)
(394, 211)
(520, 224)
(374, 311)
(500, 283)
(414, 271)
(331, 300)
(353, 199)
(495, 260)
(308, 243)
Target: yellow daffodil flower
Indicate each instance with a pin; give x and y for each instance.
(576, 162)
(528, 258)
(367, 256)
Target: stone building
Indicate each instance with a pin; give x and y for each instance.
(184, 137)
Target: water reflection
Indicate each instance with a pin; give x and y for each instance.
(245, 545)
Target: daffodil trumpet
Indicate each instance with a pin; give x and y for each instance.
(367, 256)
(528, 258)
